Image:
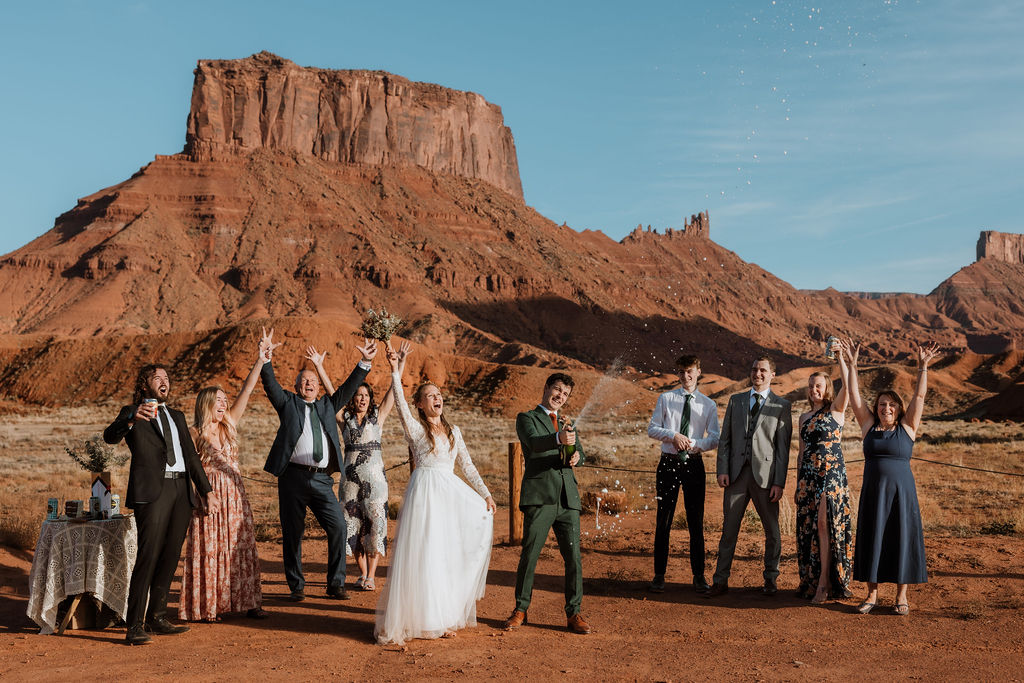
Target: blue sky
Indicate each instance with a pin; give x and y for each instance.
(860, 145)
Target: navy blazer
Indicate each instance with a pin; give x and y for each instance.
(149, 458)
(291, 409)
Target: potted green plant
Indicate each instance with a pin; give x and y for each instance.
(97, 458)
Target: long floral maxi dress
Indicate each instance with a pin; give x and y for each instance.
(364, 491)
(222, 567)
(823, 472)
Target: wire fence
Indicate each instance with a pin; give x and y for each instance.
(791, 469)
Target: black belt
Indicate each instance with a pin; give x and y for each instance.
(175, 475)
(308, 468)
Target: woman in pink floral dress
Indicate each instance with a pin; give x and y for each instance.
(222, 567)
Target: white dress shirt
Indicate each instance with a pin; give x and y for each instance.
(668, 415)
(303, 453)
(179, 461)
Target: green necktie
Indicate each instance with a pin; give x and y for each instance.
(684, 424)
(318, 438)
(756, 408)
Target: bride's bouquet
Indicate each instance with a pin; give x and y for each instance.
(380, 324)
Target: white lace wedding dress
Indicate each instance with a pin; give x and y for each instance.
(443, 542)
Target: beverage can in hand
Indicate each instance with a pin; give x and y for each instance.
(830, 347)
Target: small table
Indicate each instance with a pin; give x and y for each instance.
(73, 558)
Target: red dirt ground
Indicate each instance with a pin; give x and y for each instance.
(967, 622)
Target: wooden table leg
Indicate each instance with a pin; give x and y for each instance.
(70, 613)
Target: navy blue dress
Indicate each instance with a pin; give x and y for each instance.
(890, 541)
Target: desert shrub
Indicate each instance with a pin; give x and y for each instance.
(93, 455)
(267, 531)
(612, 502)
(751, 522)
(999, 528)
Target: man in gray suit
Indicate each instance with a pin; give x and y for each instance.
(753, 455)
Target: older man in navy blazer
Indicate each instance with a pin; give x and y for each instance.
(305, 452)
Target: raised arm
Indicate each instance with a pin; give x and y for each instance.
(389, 398)
(242, 400)
(915, 409)
(842, 399)
(860, 409)
(317, 359)
(410, 425)
(351, 384)
(275, 393)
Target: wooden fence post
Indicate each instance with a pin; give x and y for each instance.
(515, 480)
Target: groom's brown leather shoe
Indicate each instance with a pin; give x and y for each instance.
(518, 618)
(577, 624)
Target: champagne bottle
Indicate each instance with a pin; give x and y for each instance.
(567, 450)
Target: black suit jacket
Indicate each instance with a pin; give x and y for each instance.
(149, 461)
(291, 409)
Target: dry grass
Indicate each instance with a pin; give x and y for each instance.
(19, 527)
(954, 502)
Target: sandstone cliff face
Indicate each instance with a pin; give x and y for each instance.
(366, 117)
(259, 220)
(1001, 246)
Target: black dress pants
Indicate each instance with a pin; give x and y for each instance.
(161, 526)
(672, 476)
(298, 490)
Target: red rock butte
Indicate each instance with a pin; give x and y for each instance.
(365, 117)
(305, 196)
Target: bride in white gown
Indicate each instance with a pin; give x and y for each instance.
(443, 542)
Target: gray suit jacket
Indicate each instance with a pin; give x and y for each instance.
(770, 444)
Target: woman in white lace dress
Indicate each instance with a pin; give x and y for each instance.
(443, 543)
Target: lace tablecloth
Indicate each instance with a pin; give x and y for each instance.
(81, 557)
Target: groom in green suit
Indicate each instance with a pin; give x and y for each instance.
(550, 499)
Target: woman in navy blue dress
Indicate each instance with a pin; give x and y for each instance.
(889, 546)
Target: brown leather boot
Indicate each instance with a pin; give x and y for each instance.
(518, 618)
(577, 624)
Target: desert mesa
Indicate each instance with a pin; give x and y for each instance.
(304, 196)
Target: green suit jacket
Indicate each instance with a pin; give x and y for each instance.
(544, 476)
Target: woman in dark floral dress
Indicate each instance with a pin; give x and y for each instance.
(823, 531)
(364, 489)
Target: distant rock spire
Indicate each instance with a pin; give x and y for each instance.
(1001, 246)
